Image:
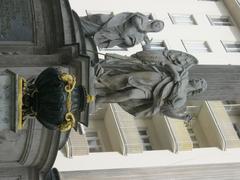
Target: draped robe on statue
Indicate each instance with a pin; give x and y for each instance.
(155, 84)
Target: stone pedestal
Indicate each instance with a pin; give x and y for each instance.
(24, 153)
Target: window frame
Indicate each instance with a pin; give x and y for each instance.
(211, 17)
(148, 144)
(154, 45)
(187, 43)
(224, 43)
(190, 16)
(97, 139)
(192, 135)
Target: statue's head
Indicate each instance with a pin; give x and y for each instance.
(196, 86)
(156, 26)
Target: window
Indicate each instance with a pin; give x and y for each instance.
(220, 20)
(145, 139)
(231, 47)
(94, 142)
(182, 19)
(157, 45)
(196, 46)
(192, 136)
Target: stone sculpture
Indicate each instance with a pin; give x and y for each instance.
(124, 30)
(146, 87)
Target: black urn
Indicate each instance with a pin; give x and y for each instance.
(53, 98)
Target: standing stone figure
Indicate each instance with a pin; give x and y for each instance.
(124, 30)
(145, 87)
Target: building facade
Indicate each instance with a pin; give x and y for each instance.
(118, 146)
(205, 28)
